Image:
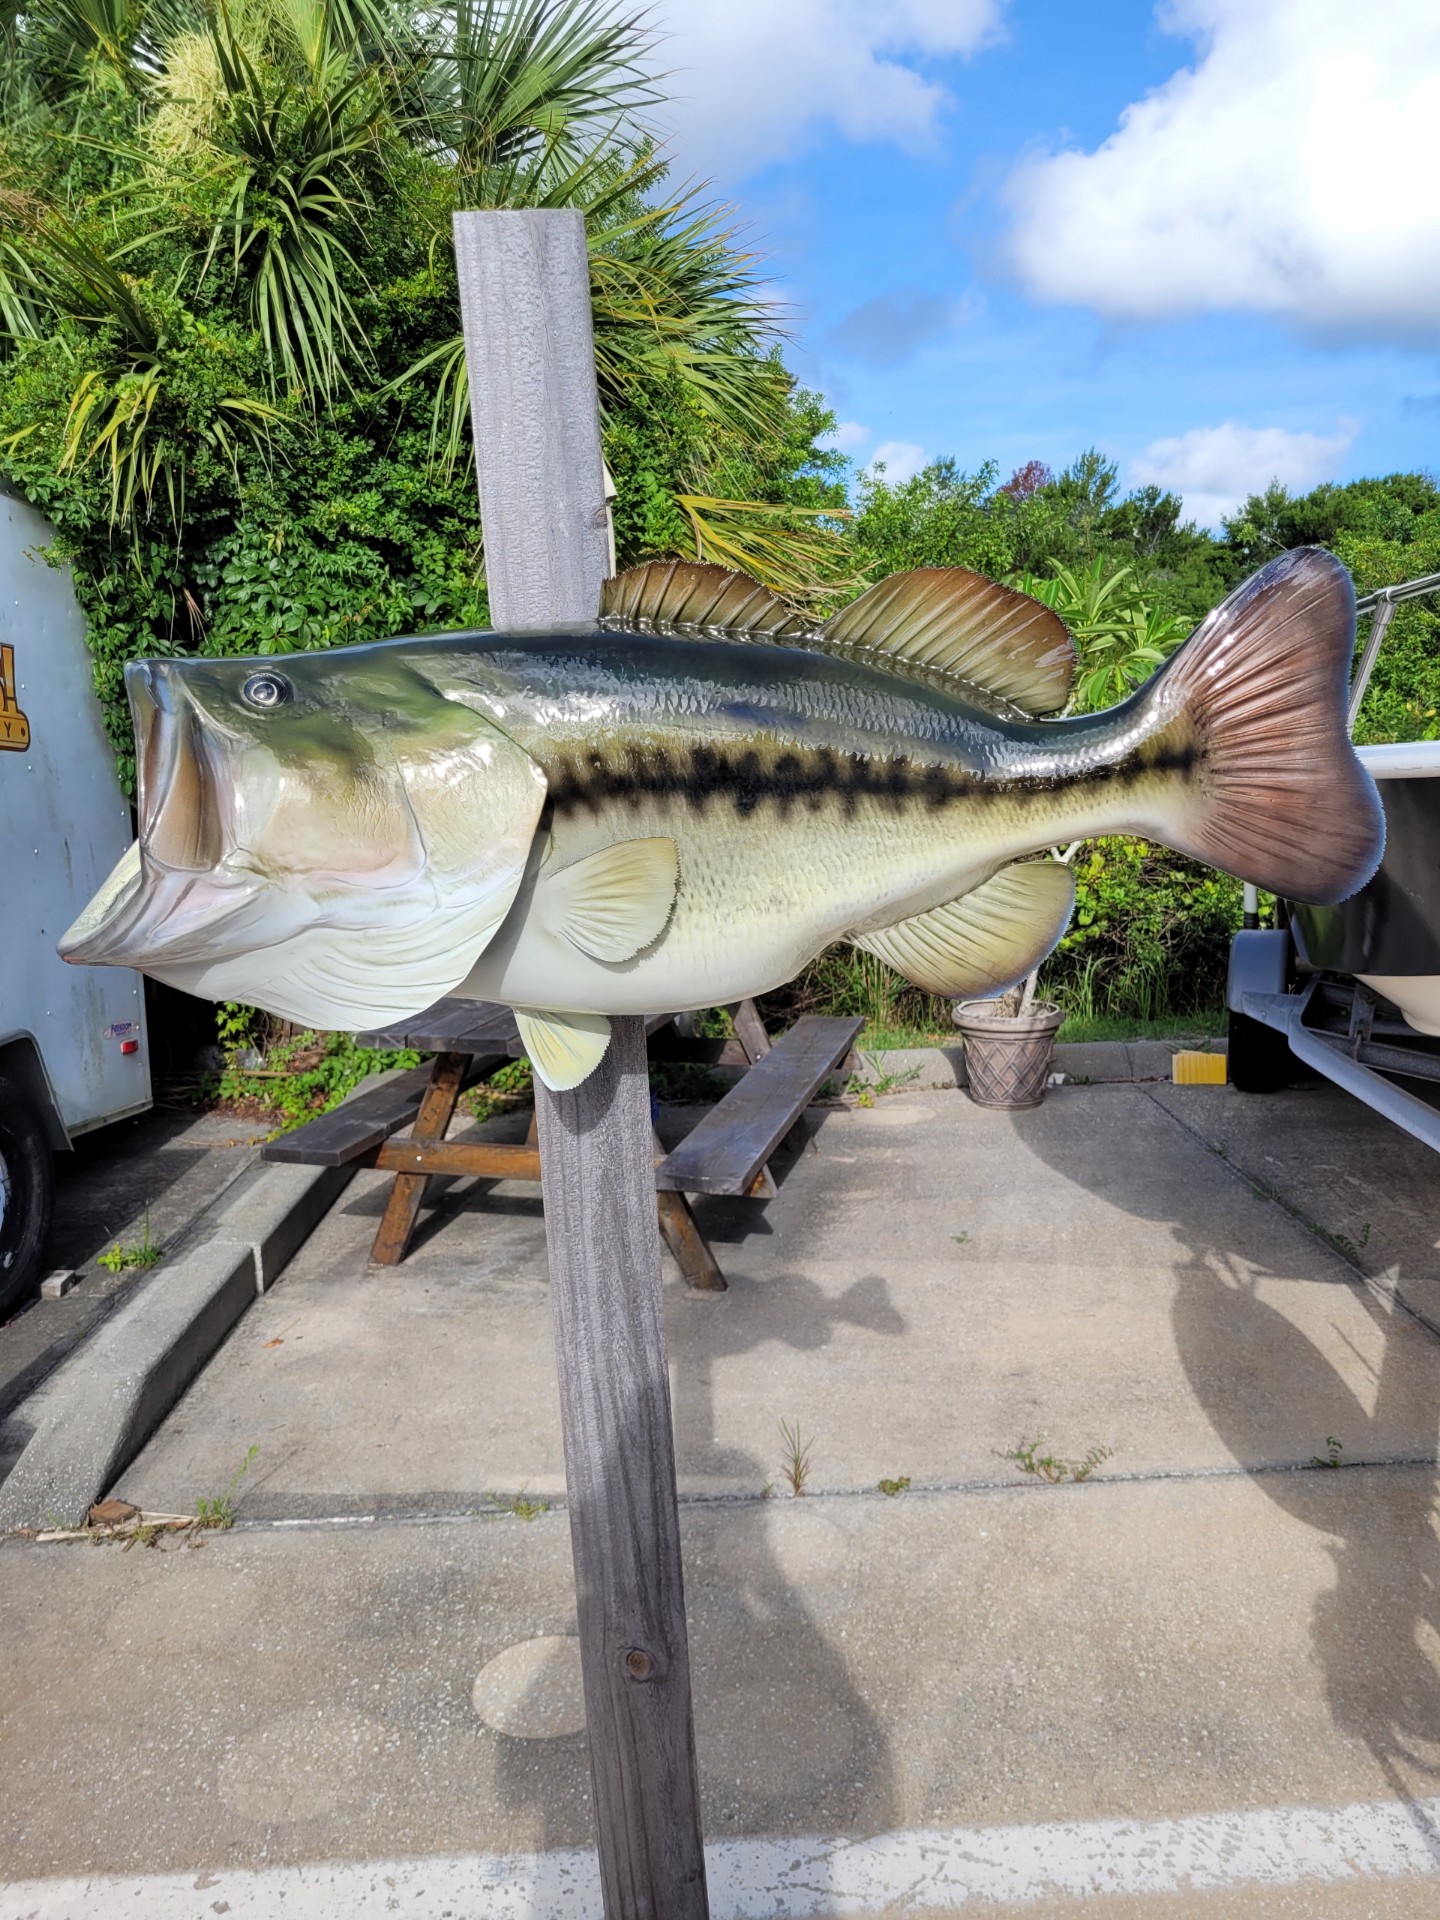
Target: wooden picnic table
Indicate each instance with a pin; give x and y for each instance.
(400, 1126)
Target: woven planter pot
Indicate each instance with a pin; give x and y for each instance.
(1007, 1060)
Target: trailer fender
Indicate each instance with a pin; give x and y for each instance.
(1259, 963)
(22, 1063)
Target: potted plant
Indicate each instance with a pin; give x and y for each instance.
(1008, 1044)
(1009, 1039)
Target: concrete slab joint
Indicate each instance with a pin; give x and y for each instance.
(276, 1209)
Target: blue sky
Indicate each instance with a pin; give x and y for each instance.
(1244, 282)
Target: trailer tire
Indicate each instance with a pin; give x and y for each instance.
(27, 1179)
(1259, 1058)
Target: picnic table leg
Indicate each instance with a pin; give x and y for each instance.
(598, 1181)
(684, 1238)
(437, 1108)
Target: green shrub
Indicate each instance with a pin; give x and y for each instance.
(300, 1075)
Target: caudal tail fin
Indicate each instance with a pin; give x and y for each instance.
(1255, 702)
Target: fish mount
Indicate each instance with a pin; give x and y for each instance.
(683, 803)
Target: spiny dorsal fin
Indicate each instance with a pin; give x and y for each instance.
(961, 626)
(692, 597)
(985, 941)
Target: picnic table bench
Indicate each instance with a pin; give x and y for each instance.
(400, 1125)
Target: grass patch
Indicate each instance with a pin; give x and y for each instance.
(1194, 1029)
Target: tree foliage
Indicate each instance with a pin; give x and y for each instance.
(231, 374)
(230, 360)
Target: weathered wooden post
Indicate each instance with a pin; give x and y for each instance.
(525, 298)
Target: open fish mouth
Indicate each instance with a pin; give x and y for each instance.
(166, 897)
(181, 827)
(143, 916)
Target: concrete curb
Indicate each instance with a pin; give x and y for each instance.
(108, 1399)
(97, 1409)
(1093, 1062)
(275, 1209)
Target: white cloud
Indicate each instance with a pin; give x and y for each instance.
(901, 459)
(1290, 171)
(1214, 469)
(849, 436)
(752, 81)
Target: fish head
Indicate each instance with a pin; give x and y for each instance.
(326, 836)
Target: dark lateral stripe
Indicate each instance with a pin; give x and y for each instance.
(749, 778)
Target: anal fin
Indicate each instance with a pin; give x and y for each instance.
(564, 1048)
(985, 941)
(614, 903)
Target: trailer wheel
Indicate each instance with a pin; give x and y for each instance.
(27, 1177)
(1259, 1058)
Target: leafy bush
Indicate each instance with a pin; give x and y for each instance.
(295, 1076)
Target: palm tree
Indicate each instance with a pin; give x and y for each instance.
(227, 160)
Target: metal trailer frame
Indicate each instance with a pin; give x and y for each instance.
(1262, 969)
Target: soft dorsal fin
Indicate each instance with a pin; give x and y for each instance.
(985, 941)
(943, 623)
(692, 597)
(961, 626)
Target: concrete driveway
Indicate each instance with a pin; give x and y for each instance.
(1205, 1681)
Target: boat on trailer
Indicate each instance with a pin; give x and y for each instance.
(1353, 991)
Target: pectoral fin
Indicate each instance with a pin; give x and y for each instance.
(985, 941)
(564, 1048)
(614, 903)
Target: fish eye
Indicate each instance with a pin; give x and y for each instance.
(266, 690)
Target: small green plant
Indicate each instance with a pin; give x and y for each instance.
(891, 1487)
(219, 1513)
(796, 1469)
(121, 1259)
(1331, 1455)
(1029, 1457)
(520, 1505)
(507, 1088)
(1347, 1248)
(867, 1092)
(961, 1239)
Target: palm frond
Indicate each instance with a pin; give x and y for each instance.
(797, 551)
(292, 190)
(511, 78)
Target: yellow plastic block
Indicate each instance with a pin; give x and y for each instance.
(1199, 1069)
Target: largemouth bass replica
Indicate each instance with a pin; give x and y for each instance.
(682, 804)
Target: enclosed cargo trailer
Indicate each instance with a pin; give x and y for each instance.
(73, 1047)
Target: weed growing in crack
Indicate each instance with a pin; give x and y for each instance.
(1029, 1458)
(796, 1469)
(219, 1513)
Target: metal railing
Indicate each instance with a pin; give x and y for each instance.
(1381, 608)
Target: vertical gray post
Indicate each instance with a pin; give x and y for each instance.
(530, 355)
(525, 298)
